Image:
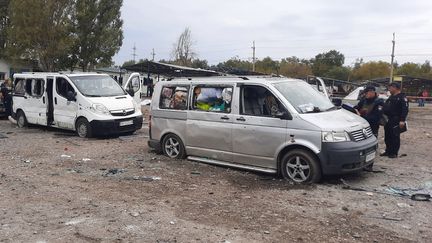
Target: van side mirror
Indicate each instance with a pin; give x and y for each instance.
(71, 96)
(284, 115)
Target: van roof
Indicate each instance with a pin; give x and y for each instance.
(232, 79)
(45, 74)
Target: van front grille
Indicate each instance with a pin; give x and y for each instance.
(125, 112)
(361, 134)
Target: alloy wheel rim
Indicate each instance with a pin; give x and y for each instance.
(298, 169)
(172, 147)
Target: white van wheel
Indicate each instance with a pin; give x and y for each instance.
(300, 166)
(173, 147)
(83, 128)
(21, 119)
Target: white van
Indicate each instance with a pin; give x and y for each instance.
(88, 103)
(273, 125)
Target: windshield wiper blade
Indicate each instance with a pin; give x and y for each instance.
(88, 95)
(333, 108)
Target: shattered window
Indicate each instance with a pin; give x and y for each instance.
(174, 98)
(37, 87)
(20, 86)
(215, 99)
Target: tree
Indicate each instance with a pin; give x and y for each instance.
(323, 62)
(234, 63)
(198, 63)
(410, 69)
(370, 70)
(341, 73)
(4, 23)
(97, 31)
(183, 49)
(128, 63)
(267, 65)
(39, 30)
(295, 68)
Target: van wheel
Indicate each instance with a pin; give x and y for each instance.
(21, 119)
(83, 128)
(173, 147)
(300, 166)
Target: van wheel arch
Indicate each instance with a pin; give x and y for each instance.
(82, 121)
(182, 148)
(287, 149)
(21, 115)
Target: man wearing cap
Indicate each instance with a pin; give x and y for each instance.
(396, 109)
(370, 108)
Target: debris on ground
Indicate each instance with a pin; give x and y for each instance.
(144, 178)
(114, 171)
(65, 156)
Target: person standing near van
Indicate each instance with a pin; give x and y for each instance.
(396, 109)
(5, 90)
(370, 108)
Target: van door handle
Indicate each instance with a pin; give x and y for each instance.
(241, 119)
(43, 99)
(55, 100)
(225, 118)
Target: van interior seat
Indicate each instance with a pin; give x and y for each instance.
(252, 104)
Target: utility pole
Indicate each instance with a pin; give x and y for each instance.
(153, 54)
(134, 53)
(253, 56)
(392, 59)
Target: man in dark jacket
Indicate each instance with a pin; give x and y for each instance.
(370, 108)
(5, 90)
(396, 109)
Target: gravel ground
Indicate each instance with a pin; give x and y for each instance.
(57, 187)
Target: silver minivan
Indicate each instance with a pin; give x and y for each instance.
(273, 125)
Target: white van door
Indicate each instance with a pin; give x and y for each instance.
(257, 133)
(65, 111)
(38, 100)
(133, 87)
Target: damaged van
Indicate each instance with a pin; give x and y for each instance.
(89, 103)
(272, 125)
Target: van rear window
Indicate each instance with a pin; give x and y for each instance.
(174, 97)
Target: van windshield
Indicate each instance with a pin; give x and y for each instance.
(303, 97)
(97, 86)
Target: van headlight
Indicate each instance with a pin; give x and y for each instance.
(100, 109)
(335, 137)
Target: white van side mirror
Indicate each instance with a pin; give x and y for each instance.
(71, 96)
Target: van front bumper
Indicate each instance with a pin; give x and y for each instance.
(110, 127)
(347, 157)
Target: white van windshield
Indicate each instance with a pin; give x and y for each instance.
(97, 86)
(303, 97)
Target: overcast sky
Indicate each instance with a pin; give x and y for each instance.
(224, 29)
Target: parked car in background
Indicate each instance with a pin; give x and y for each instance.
(354, 97)
(88, 103)
(273, 125)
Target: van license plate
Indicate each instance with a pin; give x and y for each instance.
(370, 157)
(125, 123)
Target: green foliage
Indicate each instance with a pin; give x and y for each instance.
(234, 63)
(98, 32)
(267, 65)
(128, 63)
(371, 70)
(4, 22)
(200, 63)
(341, 73)
(64, 33)
(39, 30)
(295, 67)
(323, 62)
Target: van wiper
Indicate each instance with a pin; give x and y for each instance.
(316, 109)
(88, 95)
(333, 108)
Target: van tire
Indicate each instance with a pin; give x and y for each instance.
(300, 166)
(83, 128)
(173, 147)
(21, 119)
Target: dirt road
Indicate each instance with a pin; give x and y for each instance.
(56, 187)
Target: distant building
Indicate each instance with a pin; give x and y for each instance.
(7, 70)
